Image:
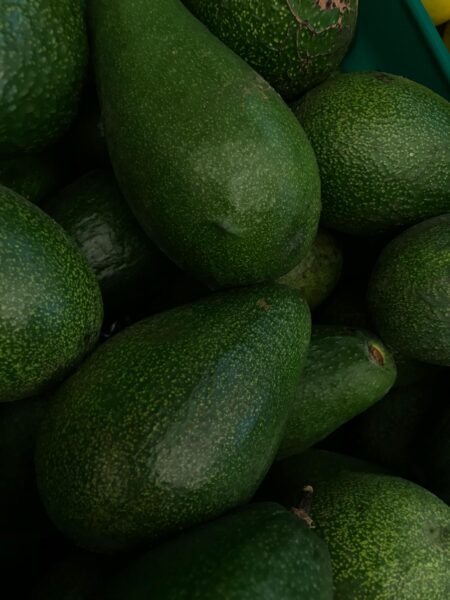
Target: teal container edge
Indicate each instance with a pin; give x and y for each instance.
(398, 36)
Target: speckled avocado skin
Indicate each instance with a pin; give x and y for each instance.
(346, 372)
(293, 44)
(318, 273)
(210, 159)
(383, 147)
(125, 261)
(50, 303)
(43, 53)
(409, 292)
(389, 539)
(259, 551)
(175, 419)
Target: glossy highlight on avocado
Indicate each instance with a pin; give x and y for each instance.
(214, 165)
(174, 420)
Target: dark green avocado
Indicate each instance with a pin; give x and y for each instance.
(50, 303)
(174, 420)
(43, 53)
(318, 273)
(409, 292)
(383, 147)
(346, 372)
(389, 539)
(258, 551)
(213, 163)
(293, 44)
(128, 266)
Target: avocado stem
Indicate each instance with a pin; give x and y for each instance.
(303, 510)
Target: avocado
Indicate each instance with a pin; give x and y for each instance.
(383, 147)
(174, 420)
(50, 303)
(128, 266)
(294, 45)
(347, 370)
(259, 551)
(388, 537)
(318, 273)
(33, 176)
(409, 292)
(214, 165)
(43, 53)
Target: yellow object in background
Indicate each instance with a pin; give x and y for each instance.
(446, 36)
(439, 10)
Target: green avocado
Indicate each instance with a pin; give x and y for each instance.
(258, 551)
(126, 263)
(389, 538)
(214, 165)
(346, 372)
(43, 53)
(318, 273)
(50, 303)
(33, 176)
(409, 292)
(174, 420)
(293, 44)
(383, 147)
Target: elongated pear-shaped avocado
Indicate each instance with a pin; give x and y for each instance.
(50, 304)
(212, 162)
(174, 420)
(347, 371)
(259, 551)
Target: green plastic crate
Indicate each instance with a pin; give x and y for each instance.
(399, 37)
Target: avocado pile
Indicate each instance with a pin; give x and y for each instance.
(224, 307)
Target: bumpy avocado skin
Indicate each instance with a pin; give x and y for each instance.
(228, 559)
(293, 44)
(409, 292)
(43, 52)
(347, 371)
(383, 147)
(212, 162)
(129, 267)
(318, 273)
(388, 537)
(174, 420)
(50, 304)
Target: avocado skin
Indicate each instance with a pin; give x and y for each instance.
(388, 537)
(44, 51)
(436, 463)
(383, 147)
(174, 420)
(293, 45)
(214, 165)
(126, 263)
(50, 303)
(318, 273)
(258, 551)
(33, 176)
(341, 379)
(409, 292)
